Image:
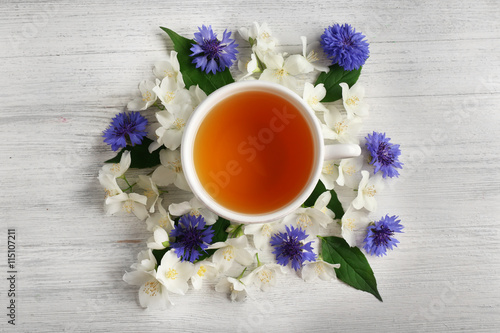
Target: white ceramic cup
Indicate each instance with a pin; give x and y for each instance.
(321, 153)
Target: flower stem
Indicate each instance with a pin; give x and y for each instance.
(258, 261)
(260, 64)
(159, 105)
(129, 188)
(237, 232)
(241, 275)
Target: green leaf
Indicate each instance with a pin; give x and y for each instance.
(332, 79)
(354, 268)
(192, 75)
(141, 158)
(334, 203)
(159, 254)
(220, 235)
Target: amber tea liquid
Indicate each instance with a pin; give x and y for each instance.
(254, 152)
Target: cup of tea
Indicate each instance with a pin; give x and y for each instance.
(253, 151)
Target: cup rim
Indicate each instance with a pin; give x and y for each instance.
(199, 115)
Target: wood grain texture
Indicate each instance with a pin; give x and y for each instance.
(433, 82)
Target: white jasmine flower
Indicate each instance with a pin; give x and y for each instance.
(193, 207)
(230, 251)
(354, 224)
(353, 99)
(261, 54)
(247, 33)
(236, 289)
(174, 274)
(263, 35)
(151, 129)
(146, 262)
(170, 170)
(197, 95)
(203, 270)
(125, 203)
(313, 96)
(173, 123)
(309, 219)
(262, 233)
(148, 97)
(159, 240)
(322, 203)
(349, 172)
(160, 218)
(152, 293)
(329, 174)
(260, 34)
(108, 182)
(169, 68)
(170, 92)
(151, 191)
(283, 71)
(312, 54)
(264, 276)
(367, 190)
(319, 268)
(118, 169)
(248, 65)
(339, 127)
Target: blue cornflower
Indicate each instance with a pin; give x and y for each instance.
(211, 54)
(345, 46)
(125, 128)
(380, 236)
(385, 155)
(191, 237)
(288, 246)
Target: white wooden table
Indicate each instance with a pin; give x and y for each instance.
(433, 82)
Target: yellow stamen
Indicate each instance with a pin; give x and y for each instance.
(348, 224)
(280, 73)
(313, 100)
(128, 206)
(175, 165)
(195, 212)
(266, 230)
(304, 221)
(163, 222)
(179, 123)
(370, 191)
(169, 96)
(150, 193)
(171, 274)
(328, 169)
(350, 170)
(318, 268)
(265, 35)
(265, 276)
(352, 101)
(110, 193)
(151, 288)
(147, 96)
(201, 271)
(228, 253)
(341, 127)
(312, 56)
